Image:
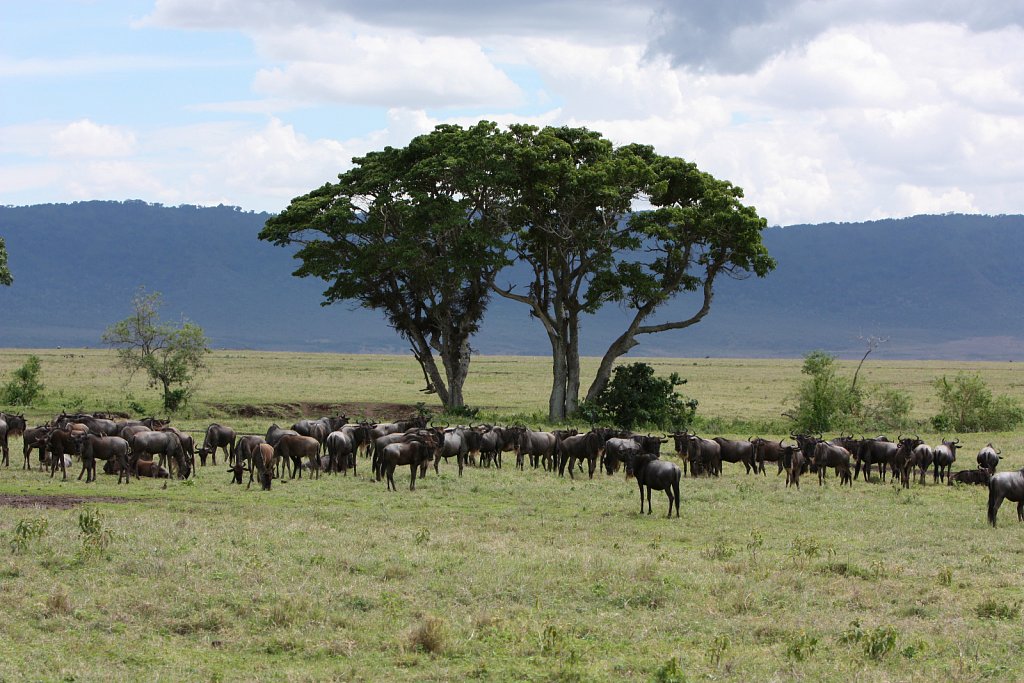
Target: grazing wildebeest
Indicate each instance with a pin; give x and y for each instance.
(109, 448)
(534, 444)
(579, 447)
(736, 451)
(61, 442)
(415, 452)
(1008, 486)
(705, 456)
(653, 473)
(795, 464)
(167, 445)
(945, 456)
(243, 451)
(188, 445)
(294, 447)
(829, 455)
(988, 457)
(217, 436)
(978, 476)
(262, 461)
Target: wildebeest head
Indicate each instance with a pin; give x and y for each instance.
(236, 471)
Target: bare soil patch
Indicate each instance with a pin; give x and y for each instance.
(15, 500)
(354, 410)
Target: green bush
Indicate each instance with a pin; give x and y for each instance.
(636, 398)
(24, 389)
(969, 406)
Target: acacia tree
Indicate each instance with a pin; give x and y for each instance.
(169, 355)
(586, 246)
(415, 233)
(5, 273)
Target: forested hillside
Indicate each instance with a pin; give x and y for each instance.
(937, 286)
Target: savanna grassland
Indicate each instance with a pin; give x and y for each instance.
(500, 574)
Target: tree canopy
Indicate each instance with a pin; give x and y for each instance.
(169, 355)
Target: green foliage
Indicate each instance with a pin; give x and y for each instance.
(24, 389)
(95, 537)
(5, 272)
(993, 609)
(828, 401)
(670, 672)
(636, 398)
(801, 647)
(26, 531)
(169, 355)
(967, 405)
(879, 642)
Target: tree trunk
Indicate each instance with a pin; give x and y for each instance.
(456, 359)
(559, 377)
(572, 353)
(425, 357)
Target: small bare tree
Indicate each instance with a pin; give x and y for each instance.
(873, 343)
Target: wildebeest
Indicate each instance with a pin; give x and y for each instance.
(61, 442)
(878, 451)
(294, 447)
(262, 461)
(243, 451)
(1008, 486)
(167, 445)
(979, 476)
(830, 455)
(415, 452)
(188, 445)
(580, 447)
(493, 442)
(653, 473)
(705, 456)
(452, 442)
(795, 464)
(342, 446)
(736, 451)
(109, 448)
(945, 456)
(534, 444)
(274, 434)
(988, 457)
(620, 445)
(148, 468)
(34, 438)
(903, 461)
(10, 425)
(217, 436)
(766, 450)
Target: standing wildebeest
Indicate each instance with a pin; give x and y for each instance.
(1009, 486)
(736, 451)
(579, 447)
(705, 456)
(32, 439)
(878, 451)
(495, 441)
(795, 464)
(829, 455)
(294, 447)
(109, 448)
(903, 461)
(217, 436)
(188, 445)
(988, 458)
(765, 450)
(618, 448)
(10, 425)
(415, 452)
(165, 444)
(452, 442)
(61, 442)
(274, 434)
(534, 444)
(945, 456)
(654, 473)
(342, 446)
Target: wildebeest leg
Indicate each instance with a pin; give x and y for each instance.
(994, 501)
(437, 464)
(389, 472)
(1020, 511)
(592, 465)
(648, 500)
(640, 484)
(412, 476)
(460, 459)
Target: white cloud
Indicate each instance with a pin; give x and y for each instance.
(87, 139)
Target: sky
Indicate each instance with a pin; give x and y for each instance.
(821, 110)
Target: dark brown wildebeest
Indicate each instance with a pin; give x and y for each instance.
(148, 468)
(903, 460)
(274, 434)
(653, 473)
(878, 451)
(292, 448)
(493, 442)
(342, 446)
(61, 442)
(979, 476)
(217, 436)
(766, 451)
(167, 445)
(1005, 486)
(945, 456)
(988, 458)
(705, 456)
(188, 445)
(34, 438)
(829, 455)
(416, 452)
(795, 464)
(110, 448)
(128, 432)
(681, 443)
(579, 447)
(10, 425)
(262, 460)
(736, 451)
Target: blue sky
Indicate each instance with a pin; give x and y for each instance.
(822, 110)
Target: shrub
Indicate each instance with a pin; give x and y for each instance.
(24, 389)
(635, 397)
(969, 406)
(428, 636)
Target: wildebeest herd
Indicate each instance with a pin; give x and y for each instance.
(154, 448)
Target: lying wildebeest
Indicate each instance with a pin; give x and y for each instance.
(580, 447)
(217, 436)
(1008, 486)
(164, 444)
(829, 455)
(61, 442)
(944, 457)
(414, 452)
(736, 451)
(988, 457)
(148, 468)
(292, 448)
(653, 473)
(109, 448)
(978, 476)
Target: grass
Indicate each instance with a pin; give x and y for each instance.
(503, 575)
